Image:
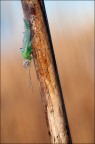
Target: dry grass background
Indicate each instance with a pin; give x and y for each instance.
(22, 115)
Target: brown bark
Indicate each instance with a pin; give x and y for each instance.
(46, 69)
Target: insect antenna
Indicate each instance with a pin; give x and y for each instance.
(30, 79)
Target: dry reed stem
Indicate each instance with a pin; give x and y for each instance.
(47, 74)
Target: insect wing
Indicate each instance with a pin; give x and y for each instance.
(26, 40)
(27, 24)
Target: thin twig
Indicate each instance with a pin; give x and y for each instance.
(45, 64)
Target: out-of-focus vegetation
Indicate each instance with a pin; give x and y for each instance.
(72, 29)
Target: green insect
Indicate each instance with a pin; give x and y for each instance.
(27, 50)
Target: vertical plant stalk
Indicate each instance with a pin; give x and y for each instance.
(46, 69)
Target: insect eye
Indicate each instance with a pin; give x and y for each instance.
(26, 63)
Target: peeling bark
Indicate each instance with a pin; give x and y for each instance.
(46, 69)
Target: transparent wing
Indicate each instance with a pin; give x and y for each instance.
(26, 40)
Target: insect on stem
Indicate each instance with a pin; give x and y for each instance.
(26, 51)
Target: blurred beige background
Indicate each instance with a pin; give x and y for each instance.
(72, 29)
